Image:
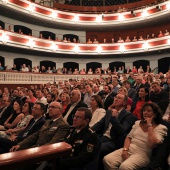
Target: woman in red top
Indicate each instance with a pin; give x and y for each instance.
(143, 98)
(65, 100)
(134, 70)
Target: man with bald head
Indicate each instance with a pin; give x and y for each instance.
(53, 131)
(75, 103)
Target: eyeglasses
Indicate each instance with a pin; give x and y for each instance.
(54, 107)
(78, 117)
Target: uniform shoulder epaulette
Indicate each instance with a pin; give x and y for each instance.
(90, 130)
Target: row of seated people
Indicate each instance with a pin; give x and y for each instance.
(95, 41)
(128, 39)
(109, 115)
(43, 69)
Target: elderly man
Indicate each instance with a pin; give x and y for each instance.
(116, 124)
(53, 130)
(84, 141)
(75, 99)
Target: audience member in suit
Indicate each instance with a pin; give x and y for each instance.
(131, 91)
(34, 125)
(107, 96)
(159, 96)
(6, 111)
(128, 70)
(21, 95)
(14, 96)
(138, 84)
(75, 103)
(148, 69)
(53, 131)
(84, 141)
(116, 124)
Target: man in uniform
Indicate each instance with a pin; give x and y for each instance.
(85, 143)
(53, 130)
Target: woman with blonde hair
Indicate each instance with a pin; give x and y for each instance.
(65, 100)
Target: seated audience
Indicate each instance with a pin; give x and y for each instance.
(166, 32)
(95, 41)
(34, 125)
(6, 110)
(112, 40)
(75, 103)
(160, 34)
(127, 39)
(26, 110)
(97, 109)
(89, 41)
(142, 99)
(120, 40)
(35, 69)
(159, 96)
(144, 136)
(104, 40)
(84, 141)
(15, 117)
(140, 70)
(65, 100)
(134, 70)
(140, 38)
(116, 123)
(83, 71)
(134, 39)
(90, 71)
(131, 91)
(10, 28)
(53, 131)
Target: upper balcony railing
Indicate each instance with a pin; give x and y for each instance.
(34, 43)
(92, 20)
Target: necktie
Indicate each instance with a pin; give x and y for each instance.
(29, 127)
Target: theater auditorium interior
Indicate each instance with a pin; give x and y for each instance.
(84, 54)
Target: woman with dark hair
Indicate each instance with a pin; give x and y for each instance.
(26, 110)
(144, 136)
(148, 82)
(15, 117)
(31, 96)
(97, 109)
(143, 98)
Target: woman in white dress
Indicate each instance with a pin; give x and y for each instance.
(144, 136)
(97, 108)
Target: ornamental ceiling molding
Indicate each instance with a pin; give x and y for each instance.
(78, 19)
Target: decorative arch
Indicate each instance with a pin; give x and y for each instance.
(71, 65)
(164, 64)
(47, 34)
(2, 60)
(47, 64)
(21, 61)
(2, 24)
(116, 64)
(71, 36)
(93, 66)
(142, 63)
(24, 29)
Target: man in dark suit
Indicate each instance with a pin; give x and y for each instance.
(75, 99)
(34, 125)
(107, 96)
(53, 130)
(131, 91)
(113, 127)
(6, 111)
(128, 70)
